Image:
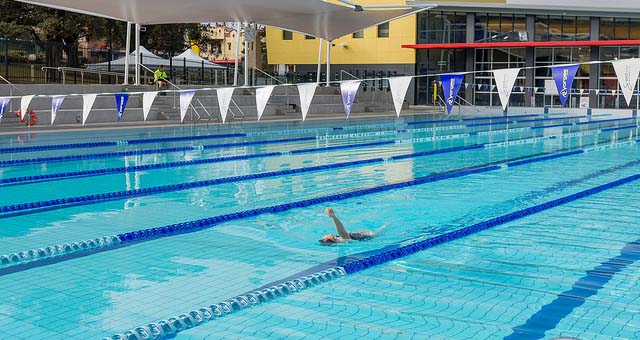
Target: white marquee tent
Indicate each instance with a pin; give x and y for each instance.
(191, 59)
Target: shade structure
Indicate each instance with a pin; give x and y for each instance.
(193, 60)
(313, 17)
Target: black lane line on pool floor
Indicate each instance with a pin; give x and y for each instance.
(354, 264)
(39, 160)
(125, 142)
(207, 223)
(549, 316)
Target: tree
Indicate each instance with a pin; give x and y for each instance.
(172, 39)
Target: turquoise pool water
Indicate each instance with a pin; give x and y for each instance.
(515, 281)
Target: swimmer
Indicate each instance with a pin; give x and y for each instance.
(344, 236)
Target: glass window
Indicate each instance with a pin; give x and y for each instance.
(383, 30)
(609, 80)
(287, 35)
(607, 29)
(549, 56)
(309, 37)
(622, 29)
(634, 29)
(569, 28)
(555, 28)
(488, 59)
(583, 28)
(442, 27)
(542, 28)
(358, 35)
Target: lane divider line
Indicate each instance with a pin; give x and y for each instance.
(143, 235)
(169, 328)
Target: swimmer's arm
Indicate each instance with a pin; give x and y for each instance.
(344, 234)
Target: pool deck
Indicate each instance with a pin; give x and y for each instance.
(11, 130)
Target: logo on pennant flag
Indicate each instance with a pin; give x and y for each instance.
(224, 100)
(185, 101)
(4, 102)
(121, 104)
(349, 91)
(262, 98)
(451, 86)
(627, 71)
(306, 91)
(56, 103)
(505, 78)
(399, 87)
(563, 77)
(147, 102)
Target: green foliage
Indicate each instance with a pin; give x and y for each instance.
(172, 39)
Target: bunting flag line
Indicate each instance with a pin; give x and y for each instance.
(563, 76)
(24, 105)
(4, 103)
(262, 98)
(87, 104)
(147, 102)
(505, 79)
(224, 100)
(451, 86)
(399, 87)
(306, 92)
(627, 71)
(349, 91)
(185, 102)
(56, 103)
(121, 104)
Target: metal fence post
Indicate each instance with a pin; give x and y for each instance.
(6, 57)
(184, 71)
(202, 73)
(173, 79)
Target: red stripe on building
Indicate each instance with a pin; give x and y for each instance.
(515, 44)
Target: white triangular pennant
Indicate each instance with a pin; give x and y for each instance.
(466, 85)
(614, 92)
(147, 102)
(581, 91)
(399, 87)
(597, 91)
(349, 90)
(627, 71)
(479, 86)
(56, 103)
(185, 101)
(262, 98)
(24, 105)
(87, 104)
(224, 100)
(307, 91)
(505, 78)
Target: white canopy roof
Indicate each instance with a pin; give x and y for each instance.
(313, 17)
(193, 60)
(151, 60)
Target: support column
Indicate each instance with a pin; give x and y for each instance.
(235, 74)
(318, 76)
(470, 58)
(530, 61)
(246, 55)
(126, 61)
(137, 80)
(328, 63)
(594, 76)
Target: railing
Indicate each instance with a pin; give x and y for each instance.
(267, 75)
(200, 104)
(64, 70)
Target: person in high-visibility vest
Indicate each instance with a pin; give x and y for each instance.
(160, 78)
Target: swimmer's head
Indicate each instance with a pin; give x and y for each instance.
(329, 239)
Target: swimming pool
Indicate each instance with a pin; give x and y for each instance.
(519, 228)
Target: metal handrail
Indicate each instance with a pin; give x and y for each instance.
(12, 85)
(64, 69)
(266, 74)
(349, 74)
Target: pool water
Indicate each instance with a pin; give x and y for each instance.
(570, 270)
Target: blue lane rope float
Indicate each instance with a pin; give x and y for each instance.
(99, 172)
(166, 329)
(149, 151)
(98, 144)
(89, 145)
(182, 149)
(35, 207)
(142, 235)
(109, 171)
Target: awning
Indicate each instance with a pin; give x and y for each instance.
(313, 17)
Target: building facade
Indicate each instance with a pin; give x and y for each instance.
(491, 34)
